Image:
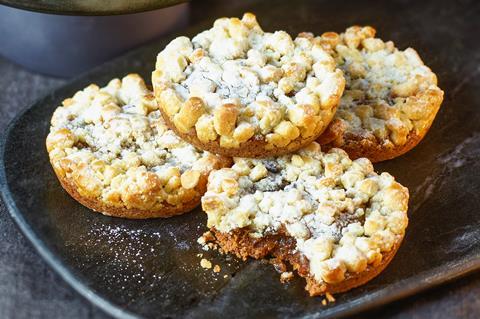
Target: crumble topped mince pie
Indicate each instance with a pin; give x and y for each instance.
(335, 220)
(112, 152)
(390, 99)
(239, 91)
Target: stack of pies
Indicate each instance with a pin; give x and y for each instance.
(275, 136)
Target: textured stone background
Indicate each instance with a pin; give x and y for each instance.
(30, 289)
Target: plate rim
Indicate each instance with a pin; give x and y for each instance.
(52, 259)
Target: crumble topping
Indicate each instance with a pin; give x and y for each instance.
(235, 82)
(388, 93)
(113, 144)
(341, 213)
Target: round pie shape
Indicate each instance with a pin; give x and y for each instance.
(113, 153)
(239, 91)
(333, 219)
(390, 98)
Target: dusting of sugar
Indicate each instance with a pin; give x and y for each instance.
(126, 251)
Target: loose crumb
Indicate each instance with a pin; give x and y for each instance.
(279, 265)
(206, 241)
(205, 263)
(324, 302)
(225, 276)
(286, 276)
(208, 235)
(216, 268)
(205, 238)
(212, 245)
(329, 297)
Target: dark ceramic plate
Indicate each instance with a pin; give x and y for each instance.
(151, 269)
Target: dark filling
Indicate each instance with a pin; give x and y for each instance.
(271, 183)
(272, 166)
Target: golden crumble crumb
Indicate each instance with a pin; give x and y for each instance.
(329, 296)
(205, 238)
(286, 276)
(324, 302)
(208, 236)
(216, 268)
(205, 263)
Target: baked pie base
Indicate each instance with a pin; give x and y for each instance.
(374, 150)
(334, 220)
(390, 100)
(253, 148)
(113, 153)
(130, 213)
(236, 90)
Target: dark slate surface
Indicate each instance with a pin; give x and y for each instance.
(29, 289)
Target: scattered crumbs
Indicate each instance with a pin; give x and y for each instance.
(200, 255)
(216, 268)
(212, 245)
(205, 263)
(286, 276)
(206, 241)
(329, 297)
(324, 302)
(225, 276)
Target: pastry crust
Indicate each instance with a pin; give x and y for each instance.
(112, 152)
(253, 148)
(281, 248)
(239, 91)
(390, 100)
(130, 213)
(375, 151)
(335, 220)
